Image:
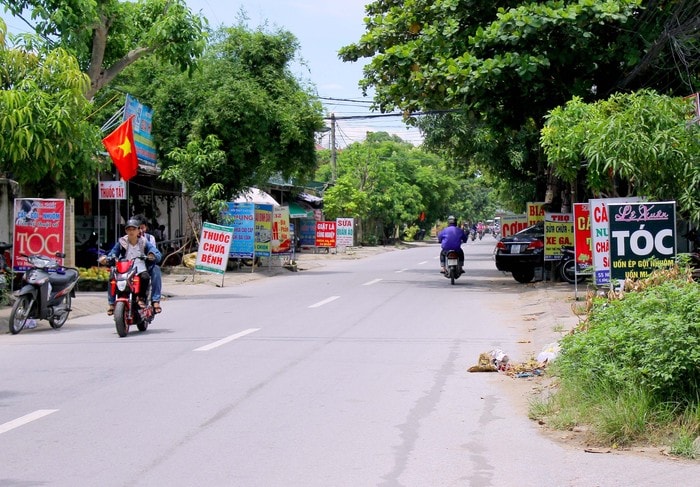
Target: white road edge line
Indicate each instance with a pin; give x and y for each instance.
(402, 270)
(224, 341)
(373, 281)
(27, 418)
(424, 262)
(325, 301)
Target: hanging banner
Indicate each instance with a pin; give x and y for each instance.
(39, 229)
(214, 246)
(582, 237)
(241, 218)
(558, 232)
(112, 190)
(345, 232)
(142, 123)
(263, 230)
(642, 238)
(281, 233)
(325, 234)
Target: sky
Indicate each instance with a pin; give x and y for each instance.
(322, 27)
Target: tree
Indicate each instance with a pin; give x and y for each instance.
(245, 96)
(505, 67)
(386, 183)
(630, 144)
(107, 36)
(46, 141)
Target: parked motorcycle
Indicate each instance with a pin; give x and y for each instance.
(452, 268)
(568, 266)
(46, 295)
(5, 268)
(125, 284)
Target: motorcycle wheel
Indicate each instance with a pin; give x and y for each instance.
(57, 321)
(567, 271)
(19, 314)
(453, 272)
(120, 312)
(524, 276)
(142, 325)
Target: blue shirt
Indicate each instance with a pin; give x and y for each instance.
(451, 238)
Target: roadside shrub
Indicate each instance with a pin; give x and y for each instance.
(649, 338)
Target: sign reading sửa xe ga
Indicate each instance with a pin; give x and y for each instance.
(642, 238)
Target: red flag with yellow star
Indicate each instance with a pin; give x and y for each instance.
(120, 145)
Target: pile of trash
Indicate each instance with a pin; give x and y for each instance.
(498, 361)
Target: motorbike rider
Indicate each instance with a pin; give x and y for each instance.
(131, 246)
(451, 238)
(152, 267)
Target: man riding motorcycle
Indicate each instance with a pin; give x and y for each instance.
(451, 238)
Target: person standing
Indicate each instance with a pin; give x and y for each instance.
(153, 268)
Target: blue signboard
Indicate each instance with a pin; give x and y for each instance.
(241, 216)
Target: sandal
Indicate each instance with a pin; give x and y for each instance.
(110, 310)
(142, 303)
(156, 307)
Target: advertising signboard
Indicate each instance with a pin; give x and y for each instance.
(39, 229)
(642, 238)
(582, 237)
(325, 234)
(241, 217)
(263, 230)
(112, 190)
(214, 246)
(535, 213)
(345, 228)
(281, 233)
(558, 232)
(512, 224)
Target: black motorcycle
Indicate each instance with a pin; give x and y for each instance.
(569, 271)
(452, 267)
(46, 295)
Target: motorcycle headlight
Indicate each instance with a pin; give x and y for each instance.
(121, 285)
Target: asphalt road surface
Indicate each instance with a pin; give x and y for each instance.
(350, 374)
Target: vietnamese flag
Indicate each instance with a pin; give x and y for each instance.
(121, 147)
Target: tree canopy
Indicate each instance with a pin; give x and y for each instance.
(642, 143)
(501, 67)
(244, 96)
(106, 36)
(46, 140)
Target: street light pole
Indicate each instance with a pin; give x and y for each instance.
(333, 166)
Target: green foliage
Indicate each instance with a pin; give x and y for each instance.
(245, 96)
(650, 339)
(109, 35)
(642, 138)
(46, 141)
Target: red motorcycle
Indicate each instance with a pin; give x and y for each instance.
(125, 284)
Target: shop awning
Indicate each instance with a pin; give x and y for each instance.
(298, 211)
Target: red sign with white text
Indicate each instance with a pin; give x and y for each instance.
(39, 229)
(325, 234)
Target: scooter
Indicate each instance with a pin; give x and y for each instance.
(452, 268)
(46, 295)
(568, 267)
(125, 284)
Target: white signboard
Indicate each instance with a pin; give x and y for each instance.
(345, 232)
(112, 190)
(214, 245)
(600, 238)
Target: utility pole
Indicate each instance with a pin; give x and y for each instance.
(333, 166)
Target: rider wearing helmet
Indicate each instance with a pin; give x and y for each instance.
(451, 238)
(131, 246)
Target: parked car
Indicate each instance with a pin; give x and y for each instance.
(521, 253)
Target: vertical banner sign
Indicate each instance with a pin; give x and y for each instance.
(214, 246)
(558, 232)
(600, 238)
(39, 229)
(582, 237)
(263, 230)
(512, 224)
(281, 233)
(143, 122)
(307, 232)
(325, 234)
(642, 238)
(345, 232)
(112, 190)
(535, 213)
(241, 217)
